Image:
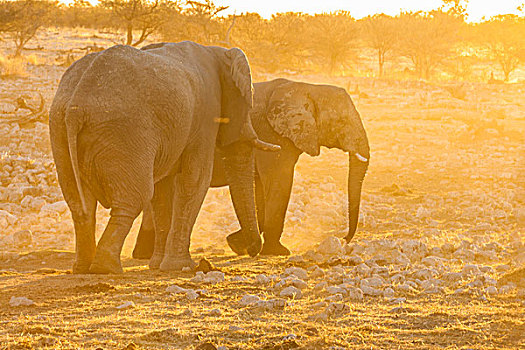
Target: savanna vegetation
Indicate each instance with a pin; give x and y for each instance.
(438, 44)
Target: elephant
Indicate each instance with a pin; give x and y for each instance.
(299, 117)
(129, 127)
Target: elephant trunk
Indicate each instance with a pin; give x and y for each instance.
(357, 166)
(240, 171)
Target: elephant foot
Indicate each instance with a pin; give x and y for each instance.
(274, 249)
(81, 267)
(237, 243)
(154, 263)
(144, 246)
(242, 245)
(176, 263)
(105, 263)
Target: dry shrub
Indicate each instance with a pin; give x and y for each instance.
(12, 67)
(33, 59)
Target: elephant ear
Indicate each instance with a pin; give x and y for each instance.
(291, 113)
(241, 73)
(237, 98)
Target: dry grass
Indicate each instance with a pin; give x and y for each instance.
(457, 153)
(12, 67)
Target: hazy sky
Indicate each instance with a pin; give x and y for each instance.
(361, 8)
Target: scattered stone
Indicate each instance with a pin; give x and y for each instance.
(388, 293)
(249, 300)
(330, 246)
(491, 290)
(371, 291)
(354, 293)
(297, 272)
(262, 279)
(22, 238)
(191, 294)
(20, 301)
(126, 305)
(291, 292)
(215, 312)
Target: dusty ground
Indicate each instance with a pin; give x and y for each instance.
(441, 233)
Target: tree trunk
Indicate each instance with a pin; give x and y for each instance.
(129, 39)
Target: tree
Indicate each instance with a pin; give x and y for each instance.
(21, 19)
(503, 37)
(332, 38)
(145, 15)
(381, 34)
(196, 21)
(427, 38)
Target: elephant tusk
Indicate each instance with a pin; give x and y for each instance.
(265, 146)
(361, 158)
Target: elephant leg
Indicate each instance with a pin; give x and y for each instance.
(85, 227)
(107, 257)
(277, 188)
(236, 240)
(146, 236)
(190, 188)
(162, 205)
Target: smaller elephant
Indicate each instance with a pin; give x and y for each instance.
(299, 117)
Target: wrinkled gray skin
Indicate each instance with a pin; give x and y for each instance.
(299, 117)
(131, 127)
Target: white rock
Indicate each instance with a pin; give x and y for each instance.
(335, 297)
(397, 300)
(215, 312)
(491, 290)
(191, 294)
(297, 272)
(59, 207)
(20, 301)
(22, 238)
(471, 270)
(272, 304)
(363, 270)
(198, 278)
(507, 289)
(295, 259)
(126, 305)
(7, 219)
(213, 277)
(291, 292)
(174, 289)
(354, 293)
(318, 272)
(299, 283)
(388, 293)
(249, 299)
(335, 290)
(374, 282)
(320, 285)
(371, 291)
(262, 279)
(337, 308)
(330, 246)
(452, 277)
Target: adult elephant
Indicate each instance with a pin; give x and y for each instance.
(129, 127)
(299, 117)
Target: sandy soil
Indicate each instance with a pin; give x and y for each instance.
(437, 261)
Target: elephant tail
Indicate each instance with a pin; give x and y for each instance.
(74, 120)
